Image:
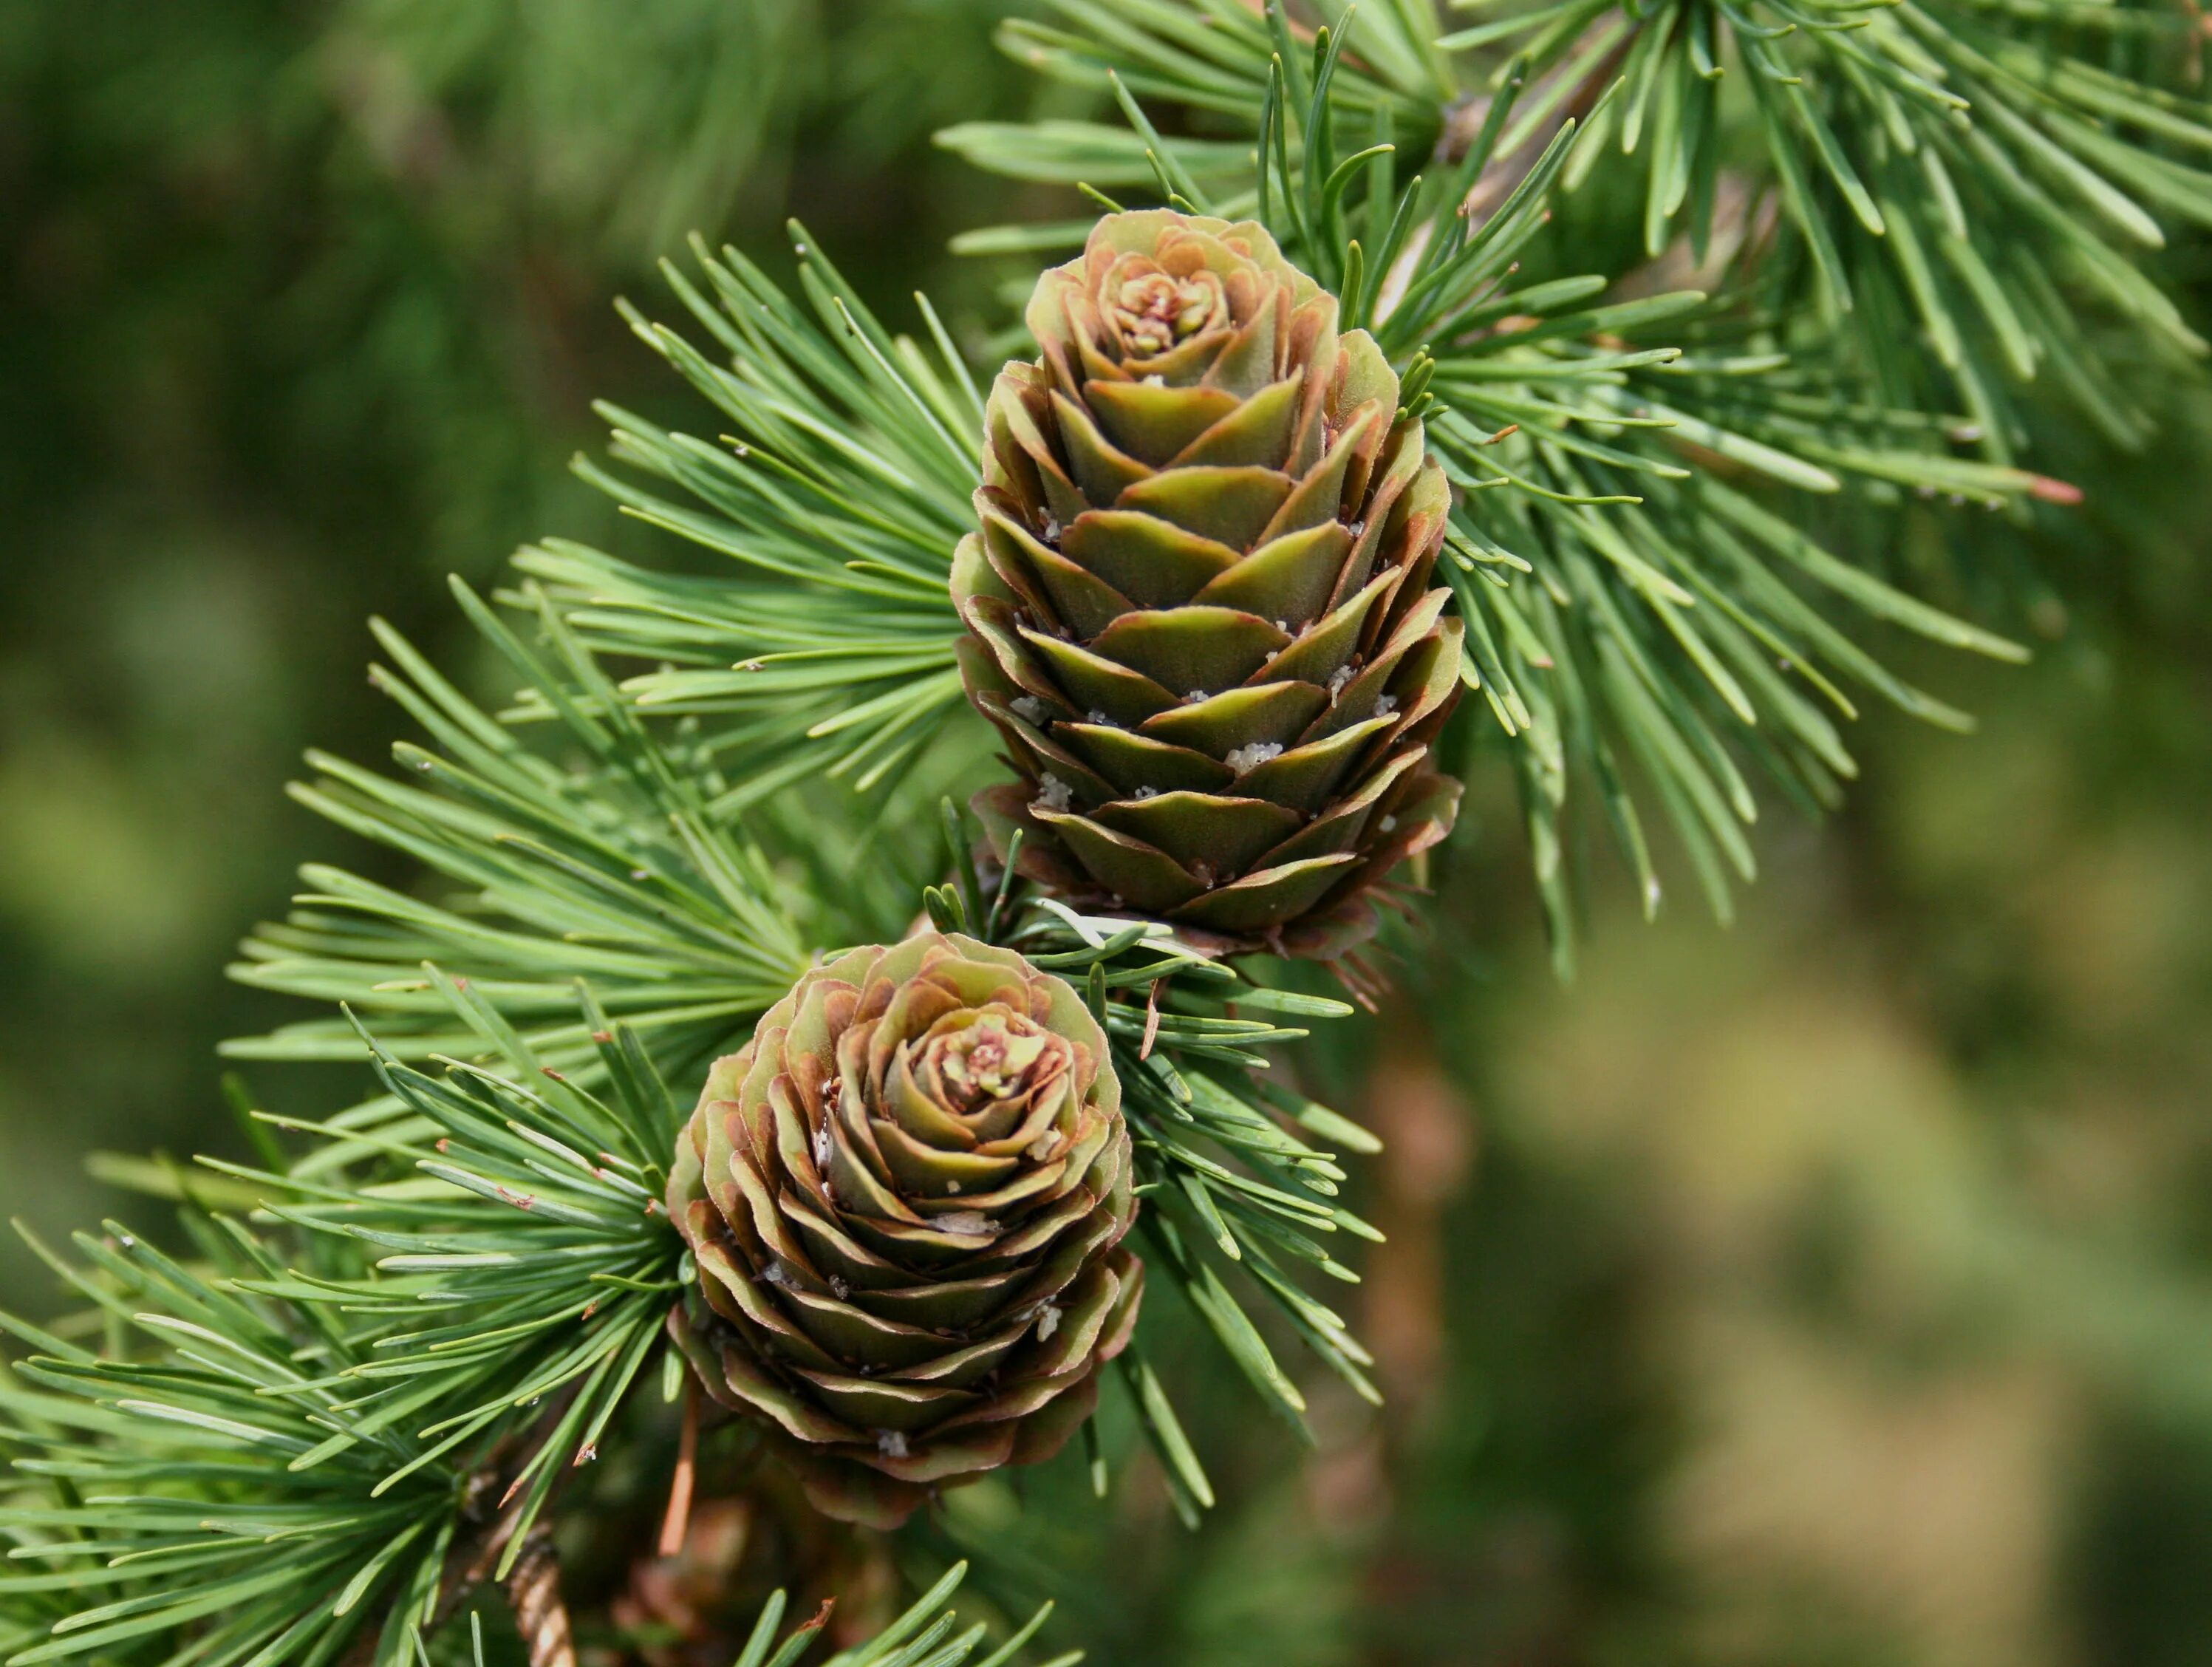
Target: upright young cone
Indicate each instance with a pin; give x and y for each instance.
(1198, 603)
(905, 1199)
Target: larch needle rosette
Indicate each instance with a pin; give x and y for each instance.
(1200, 602)
(905, 1199)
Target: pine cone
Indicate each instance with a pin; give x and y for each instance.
(695, 1608)
(905, 1197)
(1199, 604)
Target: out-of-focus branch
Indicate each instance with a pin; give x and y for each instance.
(1428, 1136)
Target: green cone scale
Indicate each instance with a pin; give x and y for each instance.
(905, 1199)
(1199, 605)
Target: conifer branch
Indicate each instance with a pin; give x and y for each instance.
(838, 492)
(1676, 471)
(1649, 622)
(619, 874)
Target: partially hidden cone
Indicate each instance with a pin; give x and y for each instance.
(905, 1199)
(695, 1607)
(1200, 603)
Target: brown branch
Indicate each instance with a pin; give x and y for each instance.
(677, 1523)
(533, 1588)
(1429, 1136)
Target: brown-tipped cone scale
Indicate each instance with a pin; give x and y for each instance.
(1199, 606)
(905, 1199)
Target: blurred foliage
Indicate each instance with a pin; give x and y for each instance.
(300, 307)
(1834, 1289)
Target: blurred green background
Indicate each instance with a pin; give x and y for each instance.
(1834, 1288)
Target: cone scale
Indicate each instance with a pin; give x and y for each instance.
(1198, 604)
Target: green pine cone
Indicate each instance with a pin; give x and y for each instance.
(905, 1197)
(1199, 606)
